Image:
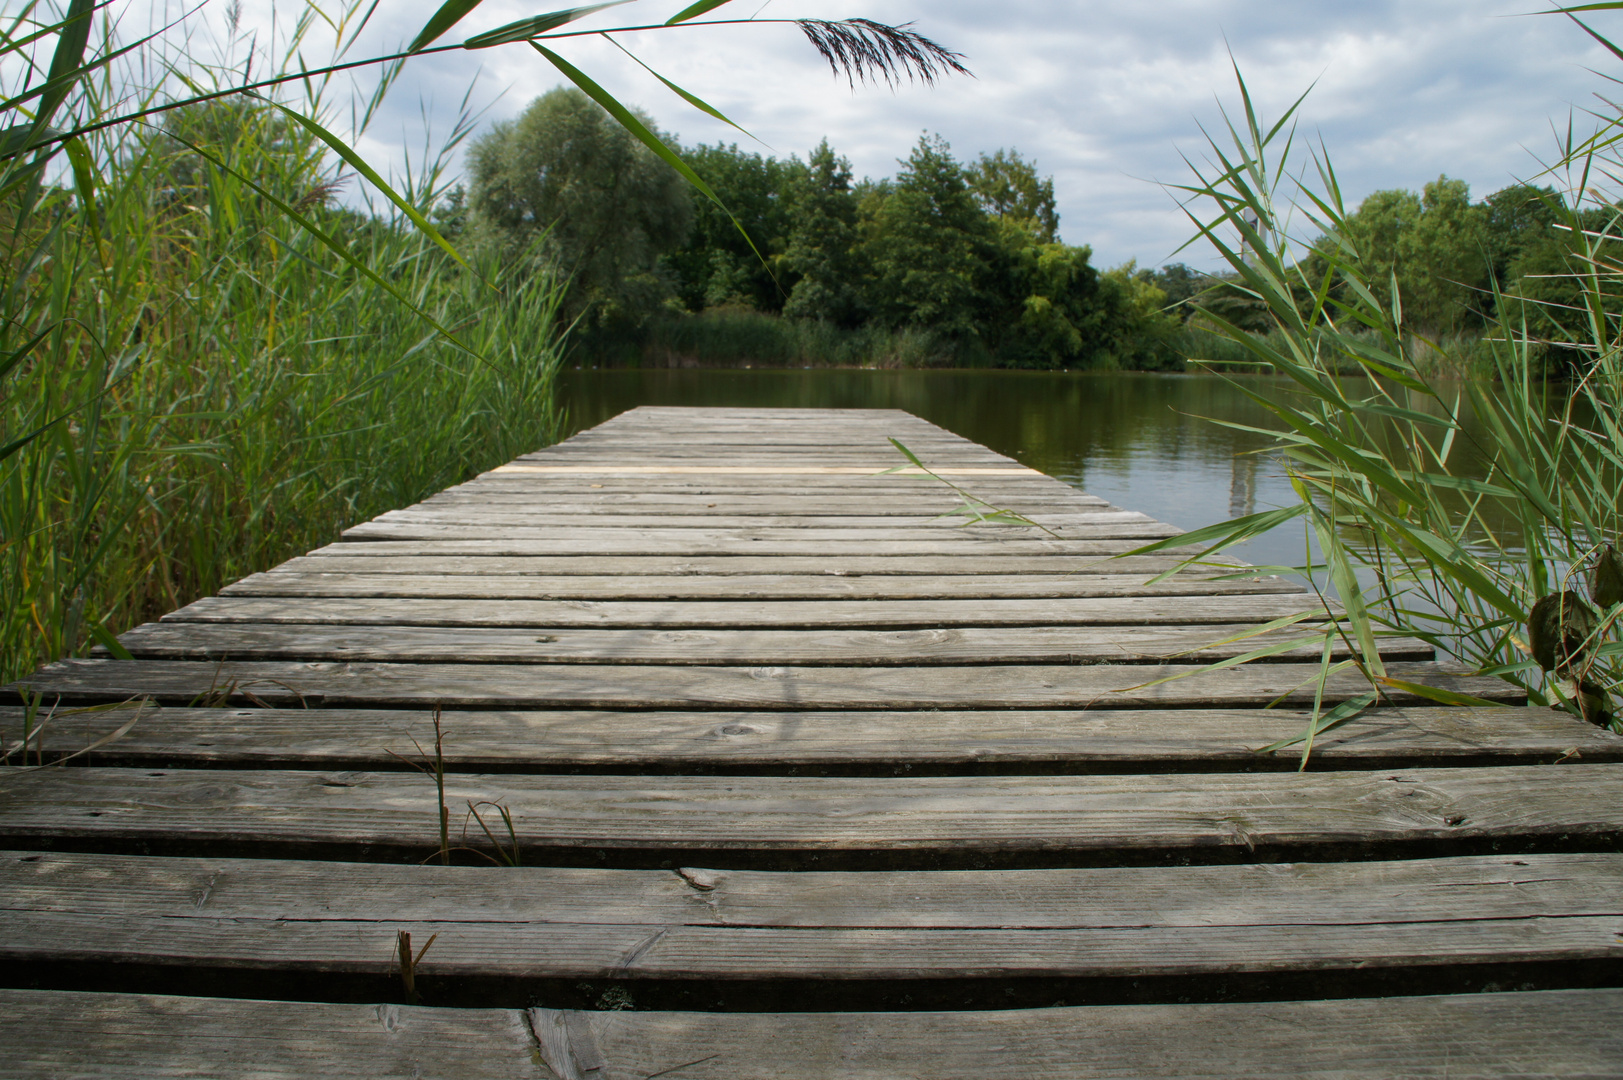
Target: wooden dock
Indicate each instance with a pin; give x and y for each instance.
(804, 780)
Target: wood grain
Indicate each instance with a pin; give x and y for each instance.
(1187, 611)
(756, 648)
(708, 645)
(1559, 1034)
(1208, 816)
(363, 559)
(632, 686)
(706, 924)
(65, 1035)
(1132, 740)
(921, 541)
(329, 579)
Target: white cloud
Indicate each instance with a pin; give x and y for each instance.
(1104, 95)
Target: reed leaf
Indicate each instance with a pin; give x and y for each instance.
(1404, 538)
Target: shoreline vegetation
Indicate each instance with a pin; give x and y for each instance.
(948, 263)
(208, 361)
(740, 337)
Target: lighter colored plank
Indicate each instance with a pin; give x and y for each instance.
(604, 498)
(608, 469)
(834, 555)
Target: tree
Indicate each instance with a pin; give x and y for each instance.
(566, 176)
(717, 265)
(1433, 244)
(929, 243)
(246, 136)
(1043, 302)
(1515, 221)
(1008, 188)
(1180, 284)
(823, 244)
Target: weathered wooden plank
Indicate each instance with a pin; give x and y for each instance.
(66, 1035)
(542, 517)
(836, 741)
(1247, 895)
(365, 559)
(1209, 738)
(1567, 1033)
(1014, 487)
(742, 451)
(709, 924)
(1332, 895)
(605, 509)
(904, 496)
(722, 442)
(650, 415)
(836, 555)
(631, 686)
(729, 820)
(908, 648)
(1188, 611)
(606, 541)
(331, 577)
(787, 467)
(606, 503)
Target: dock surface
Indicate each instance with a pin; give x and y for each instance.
(755, 763)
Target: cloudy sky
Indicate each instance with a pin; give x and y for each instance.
(1106, 95)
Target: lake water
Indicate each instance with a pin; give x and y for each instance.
(1144, 442)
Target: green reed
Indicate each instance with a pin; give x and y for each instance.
(195, 384)
(1413, 542)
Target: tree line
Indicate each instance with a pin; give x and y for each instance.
(1456, 263)
(967, 251)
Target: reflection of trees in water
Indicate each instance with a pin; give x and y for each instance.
(1243, 485)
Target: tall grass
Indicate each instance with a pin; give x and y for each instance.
(1413, 543)
(210, 387)
(1208, 344)
(204, 365)
(739, 336)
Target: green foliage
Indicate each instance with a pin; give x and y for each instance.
(966, 258)
(929, 244)
(1415, 542)
(566, 179)
(203, 379)
(205, 367)
(1180, 285)
(717, 265)
(1434, 245)
(823, 252)
(1008, 188)
(744, 337)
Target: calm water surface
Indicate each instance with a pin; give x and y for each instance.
(1144, 442)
